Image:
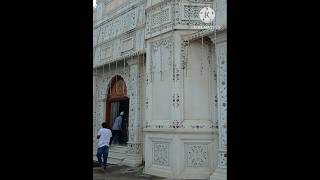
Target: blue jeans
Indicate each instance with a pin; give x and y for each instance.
(103, 152)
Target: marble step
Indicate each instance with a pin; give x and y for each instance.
(118, 149)
(116, 155)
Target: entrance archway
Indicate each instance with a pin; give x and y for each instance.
(118, 101)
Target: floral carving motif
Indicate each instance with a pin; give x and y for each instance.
(176, 124)
(192, 12)
(118, 26)
(160, 153)
(176, 100)
(196, 155)
(160, 18)
(134, 148)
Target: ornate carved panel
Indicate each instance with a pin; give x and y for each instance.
(160, 153)
(122, 30)
(191, 12)
(118, 25)
(159, 18)
(196, 155)
(135, 148)
(187, 13)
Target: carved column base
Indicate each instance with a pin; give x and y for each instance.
(179, 153)
(134, 154)
(219, 174)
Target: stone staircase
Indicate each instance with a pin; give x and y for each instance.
(117, 154)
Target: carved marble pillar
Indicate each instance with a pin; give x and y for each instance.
(99, 111)
(134, 153)
(220, 173)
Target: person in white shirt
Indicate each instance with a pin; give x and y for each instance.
(116, 129)
(104, 135)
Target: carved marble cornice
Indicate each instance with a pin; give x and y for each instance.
(102, 63)
(118, 12)
(206, 32)
(119, 36)
(171, 130)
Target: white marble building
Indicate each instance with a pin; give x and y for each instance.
(155, 60)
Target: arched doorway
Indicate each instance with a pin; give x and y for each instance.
(118, 101)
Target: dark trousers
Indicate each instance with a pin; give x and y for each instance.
(103, 154)
(116, 137)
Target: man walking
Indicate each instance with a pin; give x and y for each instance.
(104, 136)
(116, 129)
